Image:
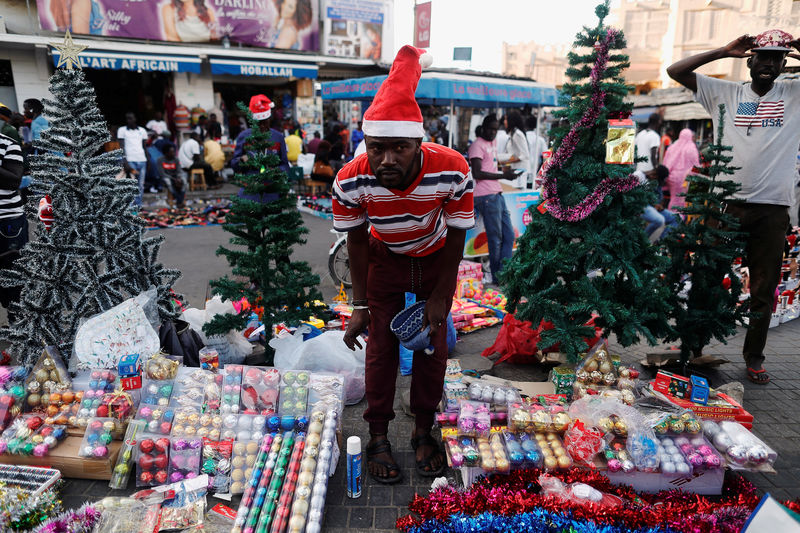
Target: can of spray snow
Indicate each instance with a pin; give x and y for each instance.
(353, 467)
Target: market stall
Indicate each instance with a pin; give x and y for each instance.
(454, 89)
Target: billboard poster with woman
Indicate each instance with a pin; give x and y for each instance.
(354, 28)
(287, 24)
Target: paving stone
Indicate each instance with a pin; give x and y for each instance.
(361, 517)
(336, 516)
(386, 517)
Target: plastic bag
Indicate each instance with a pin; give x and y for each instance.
(232, 347)
(324, 353)
(130, 327)
(579, 493)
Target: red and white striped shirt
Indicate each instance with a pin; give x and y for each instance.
(414, 221)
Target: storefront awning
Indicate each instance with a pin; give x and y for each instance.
(461, 89)
(239, 67)
(135, 62)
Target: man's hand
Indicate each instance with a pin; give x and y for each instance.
(244, 158)
(436, 310)
(508, 173)
(659, 207)
(357, 325)
(740, 47)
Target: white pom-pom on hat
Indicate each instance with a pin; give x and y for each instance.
(426, 60)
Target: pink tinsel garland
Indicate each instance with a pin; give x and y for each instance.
(586, 206)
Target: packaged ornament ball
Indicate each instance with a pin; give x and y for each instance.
(122, 470)
(184, 458)
(494, 457)
(209, 358)
(60, 407)
(189, 389)
(597, 368)
(100, 383)
(98, 436)
(186, 511)
(158, 418)
(699, 453)
(152, 460)
(294, 393)
(583, 442)
(243, 460)
(191, 422)
(671, 460)
(157, 392)
(11, 376)
(127, 515)
(217, 464)
(463, 451)
(231, 388)
(161, 367)
(328, 388)
(49, 373)
(259, 392)
(620, 142)
(118, 404)
(8, 409)
(243, 427)
(474, 419)
(555, 456)
(743, 450)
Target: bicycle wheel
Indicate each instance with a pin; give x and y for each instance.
(339, 265)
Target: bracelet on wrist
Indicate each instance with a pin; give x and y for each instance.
(359, 302)
(360, 307)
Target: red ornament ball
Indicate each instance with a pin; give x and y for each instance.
(161, 461)
(161, 476)
(34, 422)
(162, 444)
(102, 411)
(146, 461)
(96, 425)
(147, 445)
(165, 427)
(146, 478)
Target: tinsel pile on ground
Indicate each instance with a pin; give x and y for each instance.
(516, 503)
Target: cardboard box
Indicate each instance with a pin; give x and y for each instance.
(129, 365)
(672, 384)
(131, 383)
(64, 457)
(699, 390)
(707, 483)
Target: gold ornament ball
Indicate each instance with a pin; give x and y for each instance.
(605, 367)
(564, 461)
(591, 366)
(550, 463)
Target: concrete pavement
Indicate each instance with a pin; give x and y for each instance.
(774, 405)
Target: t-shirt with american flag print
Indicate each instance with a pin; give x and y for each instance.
(764, 132)
(412, 222)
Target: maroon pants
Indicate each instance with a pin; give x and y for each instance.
(389, 277)
(765, 228)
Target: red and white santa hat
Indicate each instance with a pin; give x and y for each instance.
(394, 111)
(261, 107)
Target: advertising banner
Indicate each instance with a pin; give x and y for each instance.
(422, 25)
(287, 24)
(354, 28)
(518, 203)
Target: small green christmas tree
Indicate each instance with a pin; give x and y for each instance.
(585, 251)
(94, 256)
(702, 250)
(266, 226)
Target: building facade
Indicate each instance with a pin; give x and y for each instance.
(660, 32)
(152, 56)
(543, 63)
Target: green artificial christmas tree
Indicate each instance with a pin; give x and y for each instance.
(585, 252)
(266, 226)
(702, 251)
(93, 254)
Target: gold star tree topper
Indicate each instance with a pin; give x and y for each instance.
(68, 52)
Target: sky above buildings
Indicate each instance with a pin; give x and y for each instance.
(484, 25)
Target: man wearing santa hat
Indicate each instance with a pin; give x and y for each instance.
(762, 126)
(261, 108)
(406, 206)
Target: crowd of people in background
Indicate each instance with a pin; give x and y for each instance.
(162, 161)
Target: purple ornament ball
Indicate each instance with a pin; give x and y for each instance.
(100, 451)
(175, 477)
(191, 475)
(180, 444)
(614, 465)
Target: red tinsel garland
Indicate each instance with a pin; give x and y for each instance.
(519, 492)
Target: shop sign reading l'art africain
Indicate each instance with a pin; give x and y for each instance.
(287, 24)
